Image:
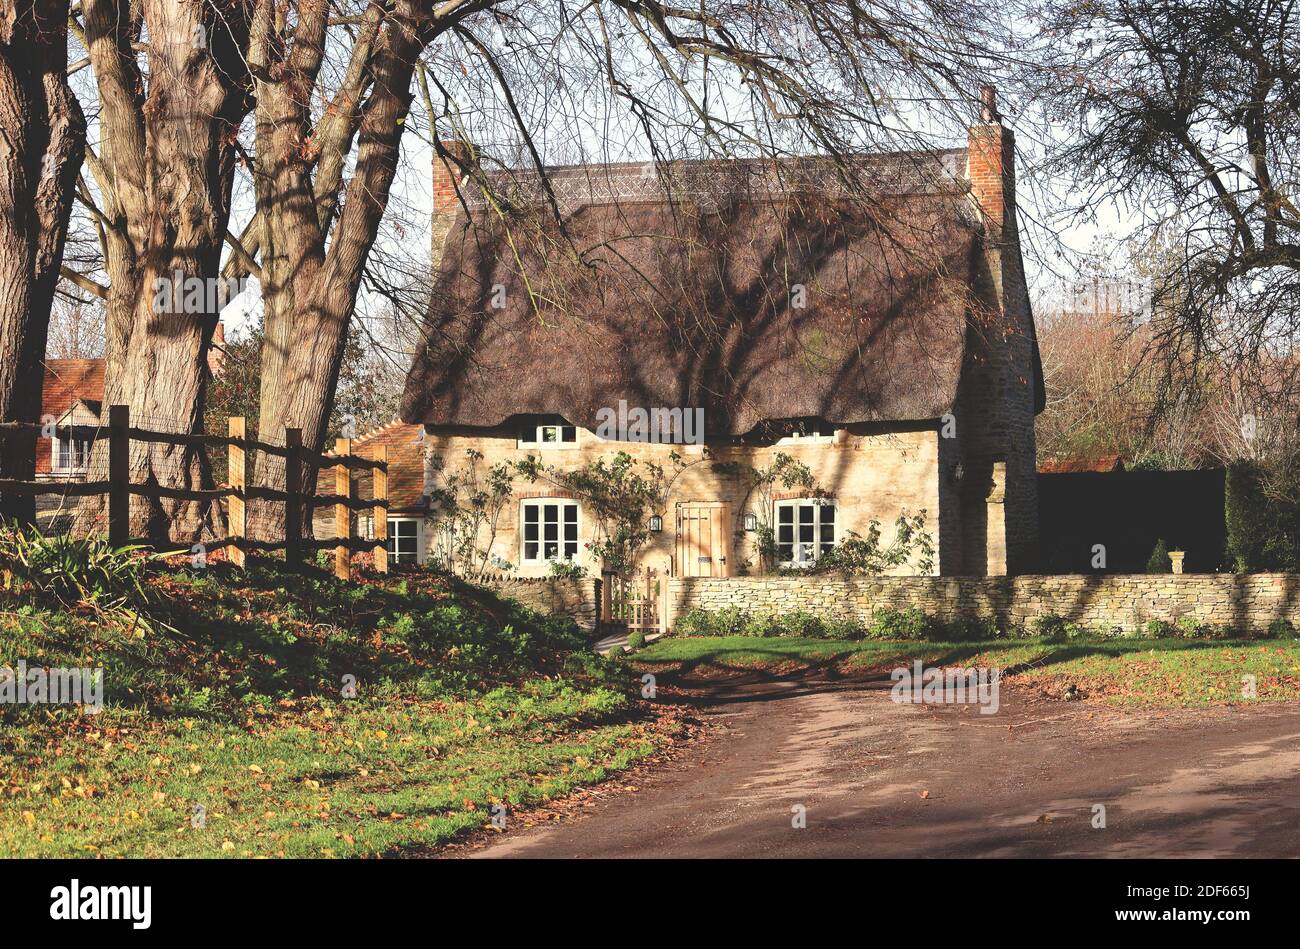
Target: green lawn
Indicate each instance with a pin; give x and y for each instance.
(226, 732)
(1128, 671)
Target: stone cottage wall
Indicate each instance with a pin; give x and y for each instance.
(578, 599)
(1112, 602)
(871, 474)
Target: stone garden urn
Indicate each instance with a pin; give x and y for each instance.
(1176, 559)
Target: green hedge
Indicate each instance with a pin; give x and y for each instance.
(1263, 533)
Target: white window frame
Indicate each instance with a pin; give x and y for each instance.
(800, 555)
(536, 435)
(540, 504)
(392, 539)
(57, 444)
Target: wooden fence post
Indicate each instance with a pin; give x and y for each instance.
(380, 514)
(119, 474)
(342, 513)
(293, 503)
(237, 476)
(665, 606)
(606, 596)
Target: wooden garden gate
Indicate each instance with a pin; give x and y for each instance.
(633, 602)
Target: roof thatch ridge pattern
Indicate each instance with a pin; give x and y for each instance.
(713, 181)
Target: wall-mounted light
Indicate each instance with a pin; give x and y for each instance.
(656, 523)
(958, 472)
(751, 521)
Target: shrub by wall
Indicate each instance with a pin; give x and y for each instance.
(1127, 512)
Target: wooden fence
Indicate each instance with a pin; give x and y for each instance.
(236, 494)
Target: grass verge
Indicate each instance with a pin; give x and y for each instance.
(1166, 672)
(226, 730)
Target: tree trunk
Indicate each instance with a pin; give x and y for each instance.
(308, 290)
(42, 141)
(166, 174)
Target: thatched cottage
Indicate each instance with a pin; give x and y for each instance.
(886, 343)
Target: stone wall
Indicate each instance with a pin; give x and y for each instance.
(578, 599)
(1112, 602)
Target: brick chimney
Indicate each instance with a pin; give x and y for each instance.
(217, 352)
(991, 165)
(447, 175)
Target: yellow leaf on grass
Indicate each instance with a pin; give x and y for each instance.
(255, 769)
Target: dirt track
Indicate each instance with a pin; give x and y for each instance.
(879, 779)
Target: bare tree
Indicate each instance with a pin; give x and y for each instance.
(1186, 113)
(42, 138)
(76, 331)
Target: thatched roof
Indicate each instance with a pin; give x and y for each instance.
(689, 297)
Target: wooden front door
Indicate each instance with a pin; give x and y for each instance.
(702, 546)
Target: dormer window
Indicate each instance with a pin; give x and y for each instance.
(807, 432)
(549, 433)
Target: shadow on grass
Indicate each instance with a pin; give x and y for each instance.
(225, 643)
(758, 673)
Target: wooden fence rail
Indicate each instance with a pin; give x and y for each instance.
(236, 493)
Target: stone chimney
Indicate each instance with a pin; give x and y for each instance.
(991, 166)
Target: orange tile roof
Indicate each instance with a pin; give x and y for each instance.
(67, 380)
(405, 466)
(1102, 463)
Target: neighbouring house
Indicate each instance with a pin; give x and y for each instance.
(72, 394)
(887, 344)
(1060, 464)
